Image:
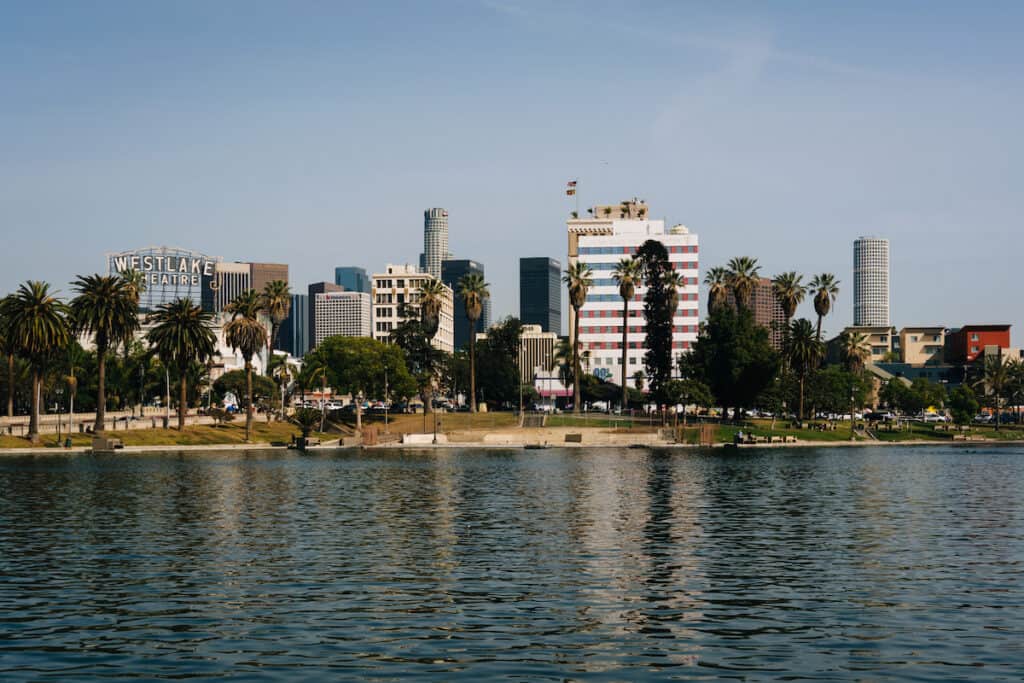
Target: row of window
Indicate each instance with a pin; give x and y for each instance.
(674, 249)
(676, 265)
(617, 329)
(610, 282)
(606, 346)
(683, 296)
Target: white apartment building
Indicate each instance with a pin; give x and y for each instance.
(395, 290)
(612, 233)
(346, 314)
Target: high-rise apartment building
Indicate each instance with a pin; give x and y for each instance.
(767, 310)
(453, 270)
(262, 273)
(294, 334)
(228, 281)
(540, 293)
(396, 297)
(612, 233)
(353, 278)
(435, 240)
(345, 314)
(871, 282)
(313, 290)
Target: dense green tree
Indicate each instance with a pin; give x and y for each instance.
(834, 389)
(10, 351)
(733, 357)
(181, 335)
(235, 382)
(803, 352)
(105, 309)
(658, 314)
(686, 392)
(37, 324)
(963, 405)
(422, 359)
(498, 363)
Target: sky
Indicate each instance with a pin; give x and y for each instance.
(316, 133)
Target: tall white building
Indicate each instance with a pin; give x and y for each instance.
(345, 314)
(612, 233)
(396, 292)
(871, 282)
(435, 240)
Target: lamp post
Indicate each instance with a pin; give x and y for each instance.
(60, 404)
(386, 431)
(853, 417)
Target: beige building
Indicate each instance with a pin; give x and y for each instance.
(536, 351)
(922, 345)
(396, 291)
(883, 341)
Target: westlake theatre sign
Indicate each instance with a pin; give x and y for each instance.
(169, 273)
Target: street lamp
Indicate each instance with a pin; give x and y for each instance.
(60, 405)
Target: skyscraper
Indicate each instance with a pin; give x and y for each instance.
(453, 270)
(767, 310)
(352, 278)
(871, 282)
(262, 273)
(435, 240)
(314, 289)
(345, 314)
(540, 293)
(294, 335)
(613, 233)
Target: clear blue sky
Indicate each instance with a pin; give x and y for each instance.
(316, 134)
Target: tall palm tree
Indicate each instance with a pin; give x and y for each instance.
(627, 274)
(789, 291)
(743, 277)
(578, 278)
(135, 282)
(9, 349)
(432, 295)
(473, 291)
(803, 351)
(249, 304)
(717, 280)
(855, 349)
(824, 287)
(246, 334)
(994, 381)
(182, 333)
(276, 302)
(106, 310)
(38, 327)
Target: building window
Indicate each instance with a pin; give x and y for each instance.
(974, 337)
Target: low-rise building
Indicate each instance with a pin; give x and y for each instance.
(965, 344)
(883, 341)
(922, 345)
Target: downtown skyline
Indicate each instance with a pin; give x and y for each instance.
(321, 144)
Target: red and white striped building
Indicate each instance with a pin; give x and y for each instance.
(610, 234)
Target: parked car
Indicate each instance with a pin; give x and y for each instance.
(982, 419)
(933, 418)
(879, 417)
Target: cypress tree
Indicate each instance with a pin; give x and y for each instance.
(658, 314)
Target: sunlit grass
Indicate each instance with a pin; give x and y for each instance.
(198, 435)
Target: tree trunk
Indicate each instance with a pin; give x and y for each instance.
(275, 329)
(33, 420)
(101, 389)
(10, 385)
(625, 347)
(472, 366)
(359, 416)
(248, 398)
(800, 415)
(819, 327)
(182, 399)
(576, 362)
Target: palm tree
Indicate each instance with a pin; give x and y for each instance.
(578, 278)
(246, 334)
(743, 277)
(38, 327)
(181, 334)
(789, 291)
(803, 351)
(9, 350)
(996, 378)
(276, 302)
(855, 349)
(627, 274)
(432, 295)
(105, 309)
(717, 280)
(824, 287)
(473, 291)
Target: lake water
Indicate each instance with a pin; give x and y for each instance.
(631, 565)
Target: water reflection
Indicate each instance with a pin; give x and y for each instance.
(608, 565)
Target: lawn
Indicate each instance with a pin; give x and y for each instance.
(199, 435)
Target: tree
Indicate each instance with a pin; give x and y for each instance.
(659, 314)
(422, 359)
(244, 333)
(627, 274)
(995, 380)
(237, 382)
(717, 281)
(825, 288)
(733, 357)
(306, 419)
(855, 349)
(688, 391)
(432, 295)
(498, 363)
(803, 352)
(10, 350)
(578, 281)
(789, 291)
(963, 405)
(894, 394)
(38, 328)
(106, 309)
(473, 291)
(181, 335)
(743, 277)
(837, 390)
(276, 302)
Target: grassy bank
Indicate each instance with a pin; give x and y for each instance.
(199, 435)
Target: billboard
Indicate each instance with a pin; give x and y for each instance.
(169, 273)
